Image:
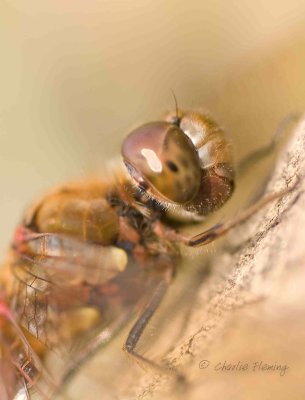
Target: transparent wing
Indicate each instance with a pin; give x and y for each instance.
(67, 289)
(20, 366)
(74, 296)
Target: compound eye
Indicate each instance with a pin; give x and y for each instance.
(162, 159)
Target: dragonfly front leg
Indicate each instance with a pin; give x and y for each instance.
(221, 229)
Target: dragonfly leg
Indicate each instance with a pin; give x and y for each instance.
(251, 159)
(138, 329)
(221, 229)
(101, 340)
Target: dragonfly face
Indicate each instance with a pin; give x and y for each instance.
(184, 161)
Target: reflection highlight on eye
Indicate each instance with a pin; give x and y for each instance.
(152, 160)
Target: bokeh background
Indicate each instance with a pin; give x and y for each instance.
(77, 76)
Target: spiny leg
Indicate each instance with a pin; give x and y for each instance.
(139, 327)
(221, 229)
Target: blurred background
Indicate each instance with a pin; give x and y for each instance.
(77, 76)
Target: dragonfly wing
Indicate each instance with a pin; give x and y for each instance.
(67, 288)
(20, 367)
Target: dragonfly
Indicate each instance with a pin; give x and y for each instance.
(89, 253)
